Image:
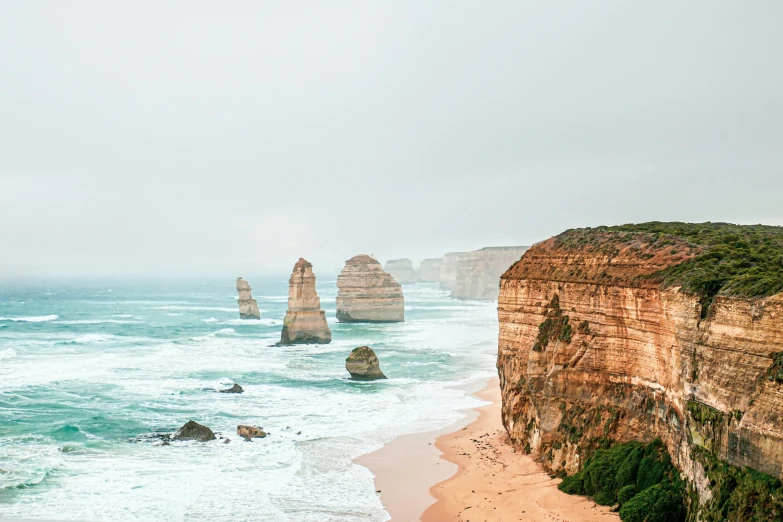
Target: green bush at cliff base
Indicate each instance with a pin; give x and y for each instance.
(640, 477)
(739, 494)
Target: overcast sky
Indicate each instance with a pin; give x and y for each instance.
(221, 137)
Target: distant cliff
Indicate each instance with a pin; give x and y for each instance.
(478, 272)
(401, 270)
(448, 271)
(660, 330)
(429, 270)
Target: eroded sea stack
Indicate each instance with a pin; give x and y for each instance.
(659, 330)
(305, 322)
(401, 270)
(429, 270)
(367, 294)
(479, 271)
(363, 364)
(248, 307)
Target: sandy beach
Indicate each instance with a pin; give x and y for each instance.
(469, 471)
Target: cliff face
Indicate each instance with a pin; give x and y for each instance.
(248, 307)
(305, 322)
(448, 271)
(429, 270)
(401, 270)
(367, 294)
(478, 272)
(592, 346)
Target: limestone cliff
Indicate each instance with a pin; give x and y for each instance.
(429, 270)
(305, 322)
(599, 338)
(401, 270)
(478, 272)
(248, 307)
(448, 271)
(367, 294)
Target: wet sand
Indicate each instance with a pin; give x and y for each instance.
(472, 473)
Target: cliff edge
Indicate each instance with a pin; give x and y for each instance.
(659, 330)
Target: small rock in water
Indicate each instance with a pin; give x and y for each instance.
(165, 443)
(251, 432)
(226, 441)
(194, 431)
(298, 432)
(363, 364)
(234, 389)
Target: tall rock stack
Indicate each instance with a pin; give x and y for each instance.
(367, 294)
(305, 322)
(429, 270)
(448, 271)
(401, 270)
(248, 307)
(478, 272)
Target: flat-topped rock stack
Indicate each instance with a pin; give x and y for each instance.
(367, 294)
(248, 307)
(429, 270)
(401, 270)
(305, 322)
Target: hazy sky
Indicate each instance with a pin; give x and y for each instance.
(226, 137)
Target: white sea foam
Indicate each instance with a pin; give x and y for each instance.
(160, 383)
(7, 353)
(32, 319)
(100, 321)
(197, 308)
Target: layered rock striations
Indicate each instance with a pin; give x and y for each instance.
(429, 270)
(367, 294)
(598, 340)
(305, 322)
(448, 271)
(248, 307)
(478, 272)
(401, 270)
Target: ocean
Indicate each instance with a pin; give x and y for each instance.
(90, 371)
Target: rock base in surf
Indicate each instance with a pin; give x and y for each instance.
(192, 430)
(363, 365)
(305, 322)
(367, 294)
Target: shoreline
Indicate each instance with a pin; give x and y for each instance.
(470, 471)
(406, 468)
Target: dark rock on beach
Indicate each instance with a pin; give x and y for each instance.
(363, 364)
(251, 432)
(234, 389)
(192, 430)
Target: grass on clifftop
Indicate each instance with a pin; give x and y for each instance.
(733, 260)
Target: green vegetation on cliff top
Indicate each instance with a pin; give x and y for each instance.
(731, 260)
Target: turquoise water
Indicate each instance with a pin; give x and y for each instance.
(90, 369)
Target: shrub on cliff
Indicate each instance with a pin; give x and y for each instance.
(640, 477)
(740, 494)
(716, 258)
(736, 260)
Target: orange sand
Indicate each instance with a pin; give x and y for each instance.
(495, 483)
(489, 480)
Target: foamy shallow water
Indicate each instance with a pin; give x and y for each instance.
(81, 390)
